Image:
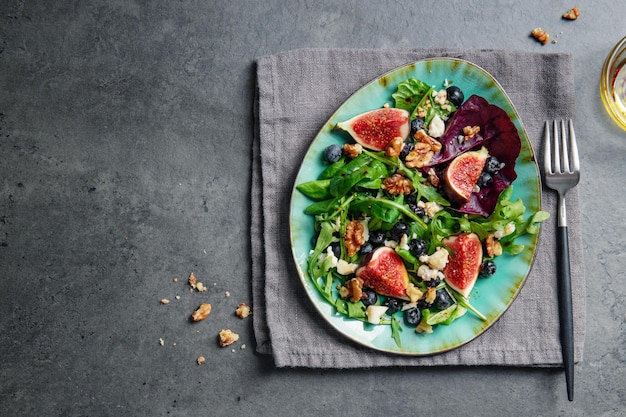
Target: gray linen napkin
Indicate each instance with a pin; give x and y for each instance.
(297, 92)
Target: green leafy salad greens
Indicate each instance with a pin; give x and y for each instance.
(351, 188)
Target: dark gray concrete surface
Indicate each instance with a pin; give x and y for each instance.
(125, 151)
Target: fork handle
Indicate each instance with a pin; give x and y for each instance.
(565, 309)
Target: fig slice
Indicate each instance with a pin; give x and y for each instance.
(464, 262)
(461, 175)
(374, 129)
(384, 272)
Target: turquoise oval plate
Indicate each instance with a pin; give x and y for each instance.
(490, 296)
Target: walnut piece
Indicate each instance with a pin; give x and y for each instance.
(227, 337)
(493, 246)
(353, 289)
(192, 280)
(243, 311)
(202, 312)
(540, 35)
(394, 147)
(352, 150)
(572, 14)
(354, 237)
(164, 301)
(200, 360)
(469, 132)
(397, 184)
(423, 137)
(420, 156)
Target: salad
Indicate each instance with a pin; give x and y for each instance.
(414, 206)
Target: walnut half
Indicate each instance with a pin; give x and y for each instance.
(354, 237)
(397, 184)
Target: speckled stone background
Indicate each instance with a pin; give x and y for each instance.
(125, 151)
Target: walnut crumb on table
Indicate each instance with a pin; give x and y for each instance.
(202, 312)
(243, 310)
(227, 337)
(200, 360)
(540, 35)
(572, 14)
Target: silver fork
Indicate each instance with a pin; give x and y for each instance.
(562, 172)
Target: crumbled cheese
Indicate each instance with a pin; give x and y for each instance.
(426, 273)
(404, 242)
(430, 208)
(436, 127)
(391, 244)
(374, 313)
(441, 97)
(345, 268)
(437, 260)
(329, 254)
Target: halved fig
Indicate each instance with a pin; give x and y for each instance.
(376, 128)
(384, 272)
(461, 175)
(464, 262)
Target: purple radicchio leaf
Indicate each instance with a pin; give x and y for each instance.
(497, 133)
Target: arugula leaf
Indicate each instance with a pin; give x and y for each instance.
(409, 94)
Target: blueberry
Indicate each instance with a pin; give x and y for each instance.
(393, 305)
(406, 148)
(398, 230)
(492, 165)
(455, 95)
(411, 198)
(484, 180)
(336, 246)
(369, 297)
(366, 248)
(417, 247)
(443, 299)
(377, 237)
(423, 303)
(487, 268)
(416, 124)
(332, 153)
(417, 209)
(412, 316)
(433, 282)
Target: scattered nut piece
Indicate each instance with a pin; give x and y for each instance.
(423, 137)
(398, 184)
(540, 35)
(227, 337)
(572, 14)
(469, 132)
(200, 360)
(493, 246)
(353, 288)
(414, 293)
(164, 301)
(243, 346)
(431, 294)
(175, 279)
(202, 312)
(192, 280)
(354, 237)
(420, 156)
(243, 311)
(161, 341)
(352, 150)
(394, 147)
(227, 293)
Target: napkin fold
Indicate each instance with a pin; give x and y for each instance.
(297, 92)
